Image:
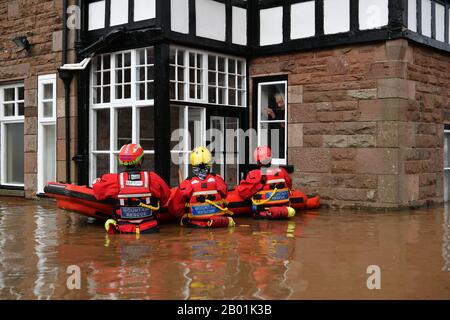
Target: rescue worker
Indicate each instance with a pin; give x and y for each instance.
(204, 194)
(140, 194)
(268, 187)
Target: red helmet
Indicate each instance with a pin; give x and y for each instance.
(263, 155)
(131, 155)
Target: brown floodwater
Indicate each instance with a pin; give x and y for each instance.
(318, 255)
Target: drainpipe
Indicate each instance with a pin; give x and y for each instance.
(66, 76)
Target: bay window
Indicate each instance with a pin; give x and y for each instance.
(121, 108)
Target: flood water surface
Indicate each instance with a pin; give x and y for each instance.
(319, 255)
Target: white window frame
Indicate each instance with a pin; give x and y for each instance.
(186, 147)
(224, 153)
(446, 169)
(205, 82)
(275, 161)
(113, 106)
(4, 121)
(45, 121)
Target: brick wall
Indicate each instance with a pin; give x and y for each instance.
(41, 22)
(367, 122)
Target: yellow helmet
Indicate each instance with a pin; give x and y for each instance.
(200, 155)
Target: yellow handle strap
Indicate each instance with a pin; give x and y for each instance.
(263, 202)
(218, 207)
(143, 205)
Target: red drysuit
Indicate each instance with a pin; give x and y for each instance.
(256, 180)
(108, 186)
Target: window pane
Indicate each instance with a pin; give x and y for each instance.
(212, 62)
(273, 108)
(9, 109)
(14, 153)
(273, 102)
(9, 94)
(102, 162)
(103, 129)
(107, 62)
(106, 77)
(48, 91)
(146, 130)
(21, 93)
(221, 64)
(47, 109)
(49, 154)
(141, 91)
(149, 162)
(273, 135)
(176, 122)
(231, 66)
(212, 95)
(21, 108)
(106, 94)
(124, 127)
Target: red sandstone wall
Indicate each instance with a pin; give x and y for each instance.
(367, 133)
(41, 22)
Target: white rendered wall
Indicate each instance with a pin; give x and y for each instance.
(210, 18)
(303, 20)
(336, 16)
(373, 14)
(426, 18)
(412, 15)
(144, 9)
(179, 15)
(119, 12)
(271, 26)
(440, 22)
(239, 35)
(96, 15)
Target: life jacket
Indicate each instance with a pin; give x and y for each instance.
(275, 191)
(136, 213)
(205, 202)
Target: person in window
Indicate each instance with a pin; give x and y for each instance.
(268, 187)
(203, 195)
(140, 194)
(276, 113)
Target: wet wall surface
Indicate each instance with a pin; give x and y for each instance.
(318, 255)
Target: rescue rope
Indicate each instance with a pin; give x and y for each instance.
(263, 202)
(143, 205)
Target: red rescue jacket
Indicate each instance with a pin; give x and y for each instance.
(109, 186)
(263, 179)
(200, 194)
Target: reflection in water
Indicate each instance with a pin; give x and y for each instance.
(312, 256)
(446, 240)
(46, 238)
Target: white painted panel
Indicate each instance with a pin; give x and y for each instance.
(239, 26)
(210, 17)
(336, 16)
(373, 14)
(412, 15)
(179, 15)
(303, 22)
(440, 22)
(144, 9)
(119, 12)
(96, 15)
(271, 26)
(426, 18)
